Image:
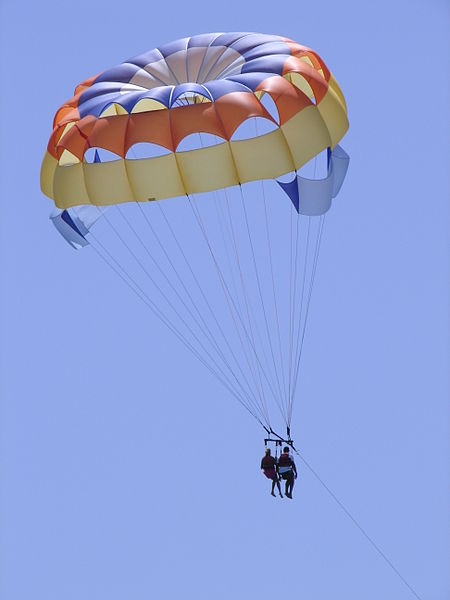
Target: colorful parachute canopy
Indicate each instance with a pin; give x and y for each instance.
(209, 83)
(231, 275)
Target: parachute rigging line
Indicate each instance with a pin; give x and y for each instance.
(236, 253)
(183, 254)
(314, 268)
(244, 294)
(252, 402)
(290, 299)
(202, 318)
(229, 299)
(207, 335)
(274, 292)
(262, 305)
(142, 295)
(231, 303)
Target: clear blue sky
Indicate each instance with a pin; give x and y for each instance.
(99, 401)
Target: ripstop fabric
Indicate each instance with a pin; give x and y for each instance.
(209, 83)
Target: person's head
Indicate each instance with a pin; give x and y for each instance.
(267, 451)
(286, 449)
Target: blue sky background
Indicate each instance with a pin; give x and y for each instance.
(99, 402)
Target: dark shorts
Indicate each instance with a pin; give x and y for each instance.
(287, 476)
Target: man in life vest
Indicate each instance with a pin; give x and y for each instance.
(287, 471)
(269, 467)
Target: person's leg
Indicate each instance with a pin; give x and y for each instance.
(273, 486)
(288, 484)
(291, 483)
(279, 487)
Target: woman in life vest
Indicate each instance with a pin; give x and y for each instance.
(269, 467)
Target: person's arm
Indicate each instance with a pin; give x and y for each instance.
(294, 468)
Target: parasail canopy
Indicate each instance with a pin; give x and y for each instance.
(205, 115)
(206, 83)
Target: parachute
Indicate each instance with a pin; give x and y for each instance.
(201, 173)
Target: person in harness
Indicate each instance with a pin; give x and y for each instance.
(287, 471)
(269, 467)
